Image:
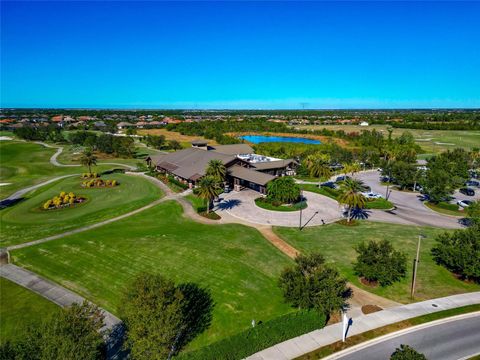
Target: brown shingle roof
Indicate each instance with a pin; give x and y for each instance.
(276, 164)
(253, 176)
(234, 149)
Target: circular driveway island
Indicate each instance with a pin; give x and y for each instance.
(241, 205)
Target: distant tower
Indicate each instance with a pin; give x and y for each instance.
(303, 105)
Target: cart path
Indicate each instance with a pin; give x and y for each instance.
(54, 161)
(360, 297)
(64, 298)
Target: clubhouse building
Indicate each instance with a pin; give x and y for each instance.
(245, 169)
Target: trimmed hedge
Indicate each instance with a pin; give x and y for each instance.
(268, 204)
(260, 337)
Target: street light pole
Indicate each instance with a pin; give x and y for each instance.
(415, 265)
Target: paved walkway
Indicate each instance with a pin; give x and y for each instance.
(306, 343)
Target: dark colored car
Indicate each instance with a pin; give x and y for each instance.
(330, 185)
(472, 183)
(341, 178)
(467, 191)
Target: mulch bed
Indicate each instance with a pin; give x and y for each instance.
(369, 309)
(368, 283)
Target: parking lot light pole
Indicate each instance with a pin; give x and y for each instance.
(415, 265)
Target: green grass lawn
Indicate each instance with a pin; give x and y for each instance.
(239, 266)
(336, 243)
(20, 308)
(260, 202)
(24, 164)
(446, 208)
(26, 220)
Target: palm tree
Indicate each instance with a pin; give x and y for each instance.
(319, 166)
(351, 195)
(217, 170)
(207, 189)
(352, 168)
(88, 159)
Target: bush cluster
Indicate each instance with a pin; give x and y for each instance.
(168, 179)
(90, 175)
(62, 200)
(260, 337)
(98, 183)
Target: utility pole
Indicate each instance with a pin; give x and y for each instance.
(301, 199)
(415, 265)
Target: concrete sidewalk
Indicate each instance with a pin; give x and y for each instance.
(306, 343)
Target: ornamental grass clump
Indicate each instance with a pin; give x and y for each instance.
(99, 183)
(63, 200)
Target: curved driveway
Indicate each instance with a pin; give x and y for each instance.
(410, 210)
(242, 205)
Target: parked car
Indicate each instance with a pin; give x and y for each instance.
(464, 203)
(226, 190)
(342, 178)
(467, 191)
(372, 195)
(329, 184)
(472, 183)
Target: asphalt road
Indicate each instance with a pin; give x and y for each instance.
(410, 210)
(452, 340)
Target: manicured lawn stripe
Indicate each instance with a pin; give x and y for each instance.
(20, 308)
(26, 221)
(235, 262)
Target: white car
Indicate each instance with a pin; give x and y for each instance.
(372, 195)
(464, 203)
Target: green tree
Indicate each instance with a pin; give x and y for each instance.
(88, 159)
(380, 262)
(151, 310)
(473, 211)
(207, 189)
(404, 173)
(72, 333)
(459, 252)
(161, 318)
(405, 352)
(217, 170)
(351, 196)
(312, 284)
(352, 168)
(318, 166)
(174, 145)
(283, 190)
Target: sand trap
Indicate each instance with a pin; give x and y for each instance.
(3, 138)
(440, 143)
(429, 139)
(4, 184)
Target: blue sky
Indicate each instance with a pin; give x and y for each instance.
(240, 55)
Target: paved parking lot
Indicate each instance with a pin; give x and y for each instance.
(242, 205)
(410, 210)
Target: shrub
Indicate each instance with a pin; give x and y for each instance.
(459, 252)
(380, 262)
(262, 336)
(405, 352)
(283, 190)
(62, 200)
(312, 284)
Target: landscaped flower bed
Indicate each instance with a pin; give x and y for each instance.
(90, 175)
(63, 200)
(99, 183)
(268, 204)
(172, 183)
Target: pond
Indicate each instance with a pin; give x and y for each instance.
(256, 139)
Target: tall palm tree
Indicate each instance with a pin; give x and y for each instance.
(351, 195)
(319, 166)
(352, 168)
(207, 189)
(88, 159)
(217, 170)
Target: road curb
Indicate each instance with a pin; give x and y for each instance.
(385, 337)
